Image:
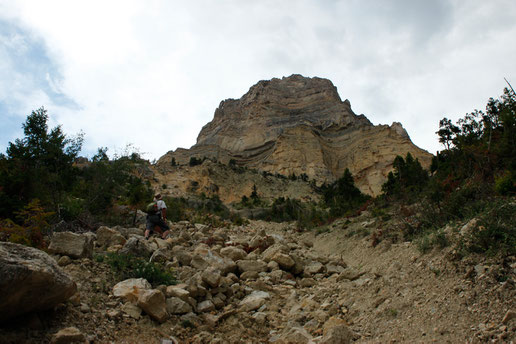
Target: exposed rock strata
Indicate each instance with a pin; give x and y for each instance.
(297, 125)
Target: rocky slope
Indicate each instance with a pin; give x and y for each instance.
(267, 283)
(297, 125)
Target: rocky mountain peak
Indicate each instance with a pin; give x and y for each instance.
(300, 126)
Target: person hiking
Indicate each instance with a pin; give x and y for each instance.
(157, 217)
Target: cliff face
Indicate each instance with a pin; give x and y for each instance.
(298, 125)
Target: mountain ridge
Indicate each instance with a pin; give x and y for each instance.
(300, 126)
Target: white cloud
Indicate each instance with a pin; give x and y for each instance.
(152, 73)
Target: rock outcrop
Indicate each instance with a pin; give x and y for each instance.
(30, 281)
(297, 125)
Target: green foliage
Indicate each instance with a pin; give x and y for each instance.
(38, 166)
(128, 266)
(407, 180)
(34, 225)
(343, 197)
(496, 233)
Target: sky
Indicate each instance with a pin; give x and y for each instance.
(149, 74)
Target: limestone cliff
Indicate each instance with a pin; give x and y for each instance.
(298, 125)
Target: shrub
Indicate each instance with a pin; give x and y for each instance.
(128, 266)
(34, 226)
(496, 233)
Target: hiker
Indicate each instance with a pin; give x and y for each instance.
(157, 217)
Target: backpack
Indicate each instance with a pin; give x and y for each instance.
(152, 208)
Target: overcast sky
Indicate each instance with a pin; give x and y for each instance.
(151, 73)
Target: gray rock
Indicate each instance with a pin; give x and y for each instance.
(68, 335)
(30, 281)
(313, 268)
(211, 277)
(233, 253)
(251, 265)
(108, 237)
(153, 303)
(137, 246)
(131, 289)
(336, 332)
(205, 306)
(284, 261)
(177, 306)
(254, 301)
(132, 310)
(72, 245)
(161, 255)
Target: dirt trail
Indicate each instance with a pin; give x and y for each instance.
(404, 296)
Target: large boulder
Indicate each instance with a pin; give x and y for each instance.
(72, 244)
(138, 246)
(30, 281)
(131, 289)
(108, 237)
(153, 303)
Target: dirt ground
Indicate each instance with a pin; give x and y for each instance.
(396, 295)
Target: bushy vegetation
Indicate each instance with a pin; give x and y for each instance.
(342, 197)
(473, 177)
(127, 266)
(42, 175)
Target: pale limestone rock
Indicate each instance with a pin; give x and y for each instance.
(251, 265)
(69, 335)
(336, 331)
(137, 246)
(176, 305)
(254, 301)
(284, 260)
(108, 237)
(72, 245)
(313, 268)
(30, 281)
(178, 291)
(132, 310)
(153, 303)
(233, 253)
(211, 277)
(205, 306)
(131, 289)
(296, 125)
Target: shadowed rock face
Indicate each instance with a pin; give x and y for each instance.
(300, 125)
(30, 281)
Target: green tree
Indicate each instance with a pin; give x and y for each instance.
(40, 165)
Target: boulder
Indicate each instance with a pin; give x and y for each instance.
(205, 306)
(153, 303)
(177, 306)
(251, 265)
(336, 331)
(296, 335)
(254, 301)
(131, 289)
(30, 281)
(72, 245)
(108, 237)
(137, 246)
(161, 255)
(132, 310)
(233, 253)
(211, 277)
(177, 291)
(313, 268)
(284, 261)
(68, 335)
